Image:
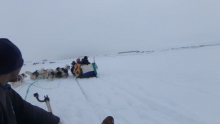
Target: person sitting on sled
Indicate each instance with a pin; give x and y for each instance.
(78, 61)
(13, 109)
(85, 60)
(76, 69)
(72, 68)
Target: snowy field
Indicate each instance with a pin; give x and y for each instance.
(173, 86)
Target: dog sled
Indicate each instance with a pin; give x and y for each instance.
(85, 70)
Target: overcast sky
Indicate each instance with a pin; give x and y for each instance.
(54, 29)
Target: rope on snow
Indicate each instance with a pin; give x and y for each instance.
(29, 88)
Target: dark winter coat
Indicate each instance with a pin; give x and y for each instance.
(85, 61)
(14, 110)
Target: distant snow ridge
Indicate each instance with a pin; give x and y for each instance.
(176, 48)
(193, 47)
(137, 51)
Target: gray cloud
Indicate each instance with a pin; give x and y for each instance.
(57, 29)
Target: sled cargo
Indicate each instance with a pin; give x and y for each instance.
(85, 70)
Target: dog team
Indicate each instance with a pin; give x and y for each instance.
(51, 74)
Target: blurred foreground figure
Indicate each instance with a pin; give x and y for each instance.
(13, 109)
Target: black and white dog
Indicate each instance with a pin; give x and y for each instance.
(62, 72)
(42, 74)
(34, 75)
(65, 71)
(58, 72)
(50, 74)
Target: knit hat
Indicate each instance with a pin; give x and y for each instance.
(78, 60)
(10, 57)
(73, 63)
(85, 57)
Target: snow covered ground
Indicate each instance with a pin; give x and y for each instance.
(173, 86)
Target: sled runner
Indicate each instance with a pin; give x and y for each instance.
(85, 71)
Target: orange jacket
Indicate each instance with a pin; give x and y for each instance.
(77, 70)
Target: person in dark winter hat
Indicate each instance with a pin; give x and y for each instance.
(72, 68)
(73, 63)
(10, 57)
(78, 61)
(85, 57)
(13, 109)
(85, 60)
